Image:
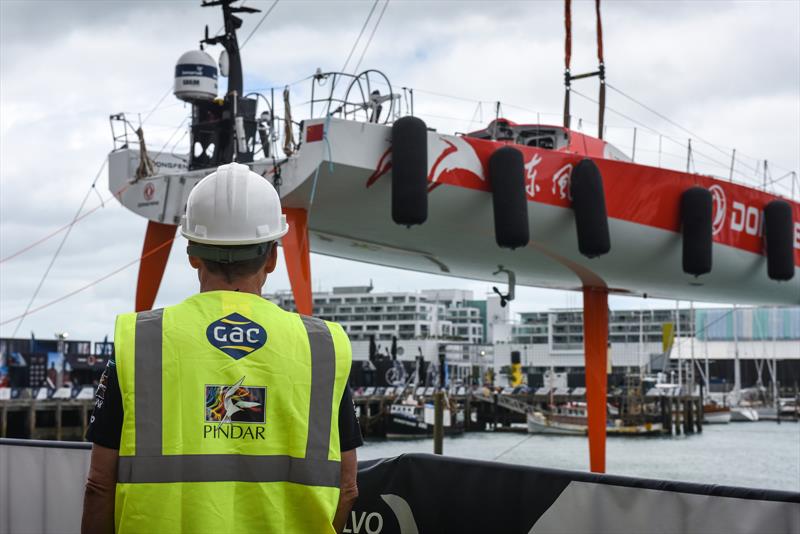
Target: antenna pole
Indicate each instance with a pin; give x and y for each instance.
(733, 162)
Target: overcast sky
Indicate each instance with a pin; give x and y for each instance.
(727, 71)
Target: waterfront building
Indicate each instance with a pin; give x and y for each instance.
(480, 333)
(446, 314)
(637, 340)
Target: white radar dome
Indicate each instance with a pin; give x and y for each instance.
(196, 77)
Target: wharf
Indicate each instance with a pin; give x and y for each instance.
(489, 411)
(57, 419)
(68, 419)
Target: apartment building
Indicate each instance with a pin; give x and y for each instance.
(448, 314)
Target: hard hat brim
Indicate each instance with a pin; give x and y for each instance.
(264, 239)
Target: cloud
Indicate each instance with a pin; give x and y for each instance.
(730, 72)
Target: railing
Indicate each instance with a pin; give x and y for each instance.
(358, 97)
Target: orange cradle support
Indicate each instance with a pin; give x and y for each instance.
(595, 341)
(298, 261)
(155, 253)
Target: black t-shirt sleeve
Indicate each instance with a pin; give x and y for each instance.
(105, 425)
(349, 430)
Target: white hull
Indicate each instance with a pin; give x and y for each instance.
(541, 425)
(717, 418)
(353, 221)
(743, 414)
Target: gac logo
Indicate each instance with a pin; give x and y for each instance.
(236, 335)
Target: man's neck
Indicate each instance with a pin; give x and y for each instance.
(243, 286)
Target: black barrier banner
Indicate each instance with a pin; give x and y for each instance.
(421, 493)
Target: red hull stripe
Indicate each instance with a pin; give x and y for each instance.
(639, 194)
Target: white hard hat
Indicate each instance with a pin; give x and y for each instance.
(233, 206)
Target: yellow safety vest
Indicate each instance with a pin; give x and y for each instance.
(230, 417)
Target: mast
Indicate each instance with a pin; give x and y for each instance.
(641, 341)
(708, 376)
(228, 125)
(229, 41)
(737, 371)
(691, 341)
(678, 340)
(775, 393)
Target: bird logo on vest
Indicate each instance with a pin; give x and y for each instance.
(234, 404)
(233, 401)
(236, 335)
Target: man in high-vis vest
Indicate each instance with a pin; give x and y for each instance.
(224, 413)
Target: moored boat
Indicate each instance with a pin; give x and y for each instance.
(571, 419)
(410, 419)
(744, 414)
(715, 413)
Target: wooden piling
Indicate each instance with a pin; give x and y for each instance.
(438, 422)
(84, 419)
(494, 411)
(59, 432)
(32, 420)
(700, 413)
(3, 419)
(688, 422)
(467, 412)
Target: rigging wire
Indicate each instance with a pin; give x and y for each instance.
(693, 134)
(158, 105)
(80, 216)
(258, 25)
(61, 229)
(369, 41)
(655, 132)
(87, 286)
(347, 61)
(517, 444)
(358, 39)
(664, 117)
(60, 246)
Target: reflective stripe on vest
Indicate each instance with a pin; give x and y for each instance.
(150, 465)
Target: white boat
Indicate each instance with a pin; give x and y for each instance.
(744, 414)
(571, 419)
(717, 417)
(542, 423)
(716, 413)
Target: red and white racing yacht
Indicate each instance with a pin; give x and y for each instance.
(545, 204)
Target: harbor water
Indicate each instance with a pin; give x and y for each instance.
(759, 455)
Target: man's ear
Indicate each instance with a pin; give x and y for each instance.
(272, 261)
(195, 262)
